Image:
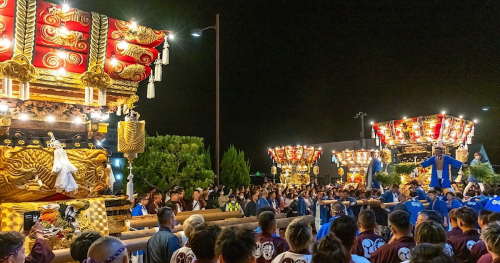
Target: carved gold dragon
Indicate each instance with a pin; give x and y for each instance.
(26, 173)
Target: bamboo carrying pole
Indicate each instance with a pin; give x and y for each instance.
(227, 222)
(64, 256)
(150, 221)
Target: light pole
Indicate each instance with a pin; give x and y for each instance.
(198, 32)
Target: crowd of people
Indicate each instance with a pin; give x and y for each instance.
(452, 228)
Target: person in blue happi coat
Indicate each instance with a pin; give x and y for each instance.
(374, 168)
(414, 186)
(345, 197)
(391, 196)
(472, 179)
(439, 206)
(452, 202)
(337, 210)
(440, 176)
(323, 210)
(414, 206)
(140, 210)
(302, 206)
(473, 201)
(494, 204)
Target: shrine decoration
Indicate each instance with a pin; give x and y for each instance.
(415, 139)
(295, 163)
(357, 162)
(55, 60)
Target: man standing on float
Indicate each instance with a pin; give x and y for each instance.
(374, 168)
(440, 168)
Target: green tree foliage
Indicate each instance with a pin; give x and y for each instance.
(172, 160)
(235, 170)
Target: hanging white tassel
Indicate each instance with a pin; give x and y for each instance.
(89, 95)
(101, 100)
(469, 139)
(21, 91)
(7, 87)
(466, 147)
(373, 133)
(377, 142)
(166, 52)
(151, 87)
(26, 91)
(4, 86)
(119, 111)
(158, 69)
(130, 184)
(472, 131)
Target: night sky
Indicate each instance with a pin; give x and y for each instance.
(298, 71)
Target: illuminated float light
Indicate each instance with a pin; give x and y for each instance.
(50, 119)
(118, 177)
(77, 120)
(4, 108)
(133, 24)
(404, 118)
(61, 72)
(461, 116)
(64, 30)
(61, 54)
(475, 121)
(122, 44)
(65, 7)
(23, 117)
(171, 36)
(5, 42)
(113, 62)
(443, 112)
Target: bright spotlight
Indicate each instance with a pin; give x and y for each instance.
(122, 45)
(24, 117)
(171, 36)
(461, 116)
(443, 112)
(65, 7)
(51, 119)
(118, 177)
(475, 121)
(404, 118)
(485, 109)
(61, 72)
(372, 123)
(77, 120)
(196, 32)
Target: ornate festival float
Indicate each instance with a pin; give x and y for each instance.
(357, 162)
(412, 140)
(295, 163)
(63, 72)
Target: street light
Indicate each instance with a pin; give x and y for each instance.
(197, 33)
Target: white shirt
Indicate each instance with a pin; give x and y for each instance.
(183, 254)
(144, 210)
(292, 257)
(395, 197)
(196, 205)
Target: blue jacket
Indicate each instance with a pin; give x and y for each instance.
(447, 161)
(302, 207)
(421, 195)
(325, 228)
(485, 200)
(262, 202)
(414, 207)
(477, 206)
(388, 197)
(439, 206)
(351, 200)
(271, 201)
(137, 211)
(454, 204)
(324, 212)
(493, 204)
